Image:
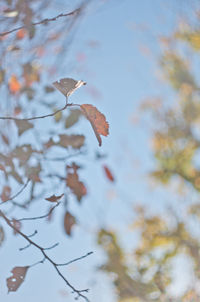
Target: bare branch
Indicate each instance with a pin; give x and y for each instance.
(74, 260)
(35, 117)
(39, 217)
(79, 293)
(44, 21)
(18, 193)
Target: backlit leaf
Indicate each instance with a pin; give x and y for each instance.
(67, 86)
(6, 193)
(97, 120)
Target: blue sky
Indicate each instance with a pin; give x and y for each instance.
(124, 75)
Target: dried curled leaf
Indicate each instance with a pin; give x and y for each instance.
(17, 278)
(67, 86)
(69, 221)
(97, 120)
(73, 182)
(54, 198)
(108, 173)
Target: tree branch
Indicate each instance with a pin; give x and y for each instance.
(44, 21)
(79, 293)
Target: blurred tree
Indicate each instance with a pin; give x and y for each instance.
(147, 275)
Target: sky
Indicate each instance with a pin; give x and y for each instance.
(123, 69)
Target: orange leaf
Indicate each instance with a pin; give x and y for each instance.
(21, 34)
(69, 221)
(54, 198)
(14, 84)
(18, 276)
(97, 120)
(108, 173)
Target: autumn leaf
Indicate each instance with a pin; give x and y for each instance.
(54, 198)
(14, 85)
(108, 173)
(17, 278)
(6, 193)
(23, 126)
(73, 182)
(74, 141)
(21, 33)
(97, 120)
(69, 221)
(67, 86)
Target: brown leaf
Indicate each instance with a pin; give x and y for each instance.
(17, 224)
(67, 86)
(69, 221)
(5, 195)
(54, 198)
(74, 141)
(23, 126)
(108, 173)
(97, 120)
(17, 278)
(73, 182)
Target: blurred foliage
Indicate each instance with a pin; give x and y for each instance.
(148, 273)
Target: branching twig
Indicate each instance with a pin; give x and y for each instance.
(44, 21)
(79, 293)
(35, 117)
(17, 194)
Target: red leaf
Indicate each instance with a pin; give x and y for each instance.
(97, 120)
(54, 198)
(108, 173)
(69, 221)
(17, 278)
(21, 34)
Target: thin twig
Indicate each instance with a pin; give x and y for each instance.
(35, 117)
(17, 194)
(39, 217)
(79, 293)
(44, 21)
(74, 260)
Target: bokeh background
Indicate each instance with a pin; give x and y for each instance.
(140, 60)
